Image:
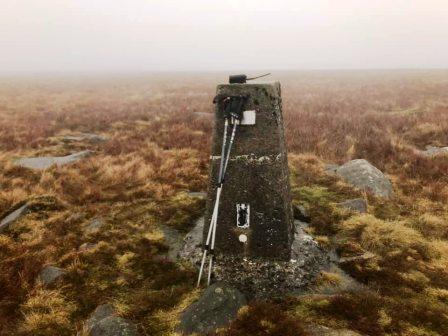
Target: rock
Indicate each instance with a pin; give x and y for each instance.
(45, 162)
(318, 330)
(94, 225)
(87, 247)
(50, 274)
(174, 240)
(331, 168)
(432, 151)
(217, 307)
(114, 326)
(300, 213)
(101, 312)
(198, 194)
(361, 174)
(356, 204)
(105, 322)
(13, 216)
(192, 245)
(92, 138)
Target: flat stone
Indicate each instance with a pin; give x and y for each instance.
(356, 204)
(94, 225)
(87, 247)
(192, 244)
(12, 217)
(100, 313)
(114, 326)
(50, 274)
(432, 151)
(45, 162)
(217, 307)
(174, 240)
(318, 330)
(361, 174)
(89, 137)
(198, 194)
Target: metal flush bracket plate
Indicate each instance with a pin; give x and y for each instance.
(242, 215)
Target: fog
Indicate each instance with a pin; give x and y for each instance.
(167, 35)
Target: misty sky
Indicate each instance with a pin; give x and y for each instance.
(146, 35)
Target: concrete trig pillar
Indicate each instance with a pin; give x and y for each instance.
(255, 215)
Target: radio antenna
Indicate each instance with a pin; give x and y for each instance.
(266, 74)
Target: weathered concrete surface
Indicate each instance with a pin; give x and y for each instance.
(50, 274)
(45, 162)
(217, 307)
(259, 277)
(356, 204)
(257, 175)
(12, 217)
(361, 174)
(432, 151)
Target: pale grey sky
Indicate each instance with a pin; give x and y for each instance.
(146, 35)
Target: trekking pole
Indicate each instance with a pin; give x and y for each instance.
(218, 196)
(233, 109)
(232, 138)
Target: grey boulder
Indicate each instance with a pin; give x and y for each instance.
(217, 307)
(50, 274)
(12, 217)
(114, 326)
(432, 151)
(100, 313)
(356, 204)
(89, 137)
(45, 162)
(105, 322)
(361, 174)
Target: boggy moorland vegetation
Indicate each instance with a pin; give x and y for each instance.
(157, 149)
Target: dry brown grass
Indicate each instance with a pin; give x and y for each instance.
(158, 148)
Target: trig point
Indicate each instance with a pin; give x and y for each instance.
(255, 217)
(250, 239)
